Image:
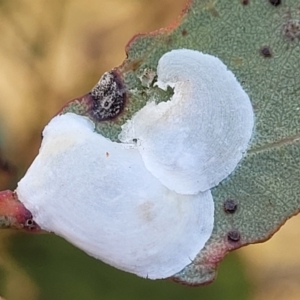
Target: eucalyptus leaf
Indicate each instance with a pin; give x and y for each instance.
(259, 42)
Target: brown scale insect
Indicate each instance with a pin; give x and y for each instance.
(108, 97)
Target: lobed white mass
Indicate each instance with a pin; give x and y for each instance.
(145, 209)
(99, 196)
(196, 139)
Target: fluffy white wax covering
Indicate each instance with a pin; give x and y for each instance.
(196, 139)
(99, 196)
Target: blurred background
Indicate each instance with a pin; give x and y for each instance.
(50, 52)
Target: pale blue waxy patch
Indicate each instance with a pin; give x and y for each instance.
(99, 195)
(195, 140)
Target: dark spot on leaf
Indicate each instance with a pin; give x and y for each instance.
(108, 97)
(265, 51)
(291, 30)
(184, 32)
(233, 236)
(132, 65)
(245, 2)
(275, 2)
(213, 10)
(230, 206)
(169, 40)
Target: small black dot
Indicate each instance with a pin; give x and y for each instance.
(184, 32)
(265, 51)
(245, 2)
(233, 236)
(275, 2)
(230, 206)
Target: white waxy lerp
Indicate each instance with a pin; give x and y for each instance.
(99, 195)
(196, 139)
(145, 209)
